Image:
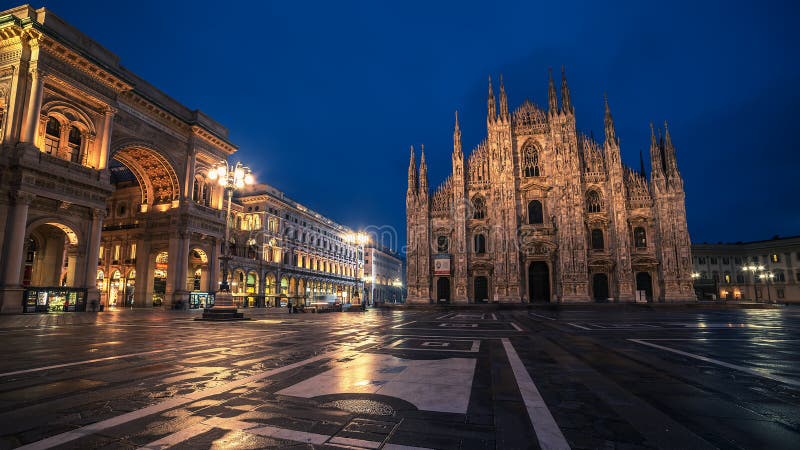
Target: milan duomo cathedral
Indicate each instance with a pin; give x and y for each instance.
(539, 212)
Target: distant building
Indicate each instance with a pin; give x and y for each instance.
(539, 212)
(720, 270)
(383, 271)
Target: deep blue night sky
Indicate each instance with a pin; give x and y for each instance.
(324, 98)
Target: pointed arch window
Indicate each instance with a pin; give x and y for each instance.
(52, 136)
(597, 239)
(74, 141)
(531, 161)
(535, 213)
(639, 237)
(480, 244)
(479, 206)
(593, 202)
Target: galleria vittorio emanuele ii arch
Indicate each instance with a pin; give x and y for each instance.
(102, 177)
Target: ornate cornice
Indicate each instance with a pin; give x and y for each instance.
(212, 139)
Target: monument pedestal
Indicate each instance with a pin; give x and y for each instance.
(223, 309)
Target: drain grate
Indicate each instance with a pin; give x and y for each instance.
(361, 406)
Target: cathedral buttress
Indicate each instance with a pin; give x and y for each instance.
(458, 246)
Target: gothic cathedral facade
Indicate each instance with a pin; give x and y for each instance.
(541, 213)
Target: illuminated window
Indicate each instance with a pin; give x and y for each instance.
(775, 258)
(727, 277)
(116, 252)
(100, 255)
(593, 203)
(133, 250)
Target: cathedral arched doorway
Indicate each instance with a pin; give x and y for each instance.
(539, 282)
(600, 287)
(481, 289)
(443, 290)
(644, 284)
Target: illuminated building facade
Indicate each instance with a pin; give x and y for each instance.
(724, 270)
(541, 213)
(383, 271)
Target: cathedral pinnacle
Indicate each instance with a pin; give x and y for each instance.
(457, 137)
(491, 115)
(503, 101)
(656, 158)
(552, 100)
(412, 173)
(611, 135)
(566, 102)
(423, 175)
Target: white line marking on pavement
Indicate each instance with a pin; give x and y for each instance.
(494, 317)
(539, 315)
(267, 431)
(756, 372)
(516, 327)
(579, 326)
(547, 432)
(174, 402)
(403, 324)
(443, 317)
(90, 361)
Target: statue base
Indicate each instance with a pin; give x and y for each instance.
(223, 310)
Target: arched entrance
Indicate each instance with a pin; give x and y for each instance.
(600, 287)
(539, 282)
(443, 290)
(644, 285)
(198, 268)
(51, 256)
(115, 287)
(481, 289)
(130, 286)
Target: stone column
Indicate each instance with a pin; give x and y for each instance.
(11, 291)
(105, 138)
(140, 290)
(180, 266)
(34, 106)
(213, 267)
(92, 251)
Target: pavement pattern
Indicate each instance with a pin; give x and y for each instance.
(403, 379)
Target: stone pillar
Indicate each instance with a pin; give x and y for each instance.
(16, 104)
(179, 266)
(11, 290)
(34, 106)
(92, 255)
(140, 290)
(105, 139)
(213, 267)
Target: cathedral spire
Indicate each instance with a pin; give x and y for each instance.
(412, 173)
(669, 153)
(611, 135)
(423, 175)
(491, 115)
(656, 161)
(503, 101)
(457, 137)
(566, 102)
(552, 100)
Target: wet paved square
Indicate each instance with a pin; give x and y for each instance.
(621, 378)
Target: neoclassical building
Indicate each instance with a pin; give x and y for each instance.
(539, 212)
(104, 191)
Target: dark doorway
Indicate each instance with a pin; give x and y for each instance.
(443, 290)
(481, 290)
(539, 282)
(600, 287)
(644, 283)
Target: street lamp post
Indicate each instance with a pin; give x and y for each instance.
(230, 177)
(761, 273)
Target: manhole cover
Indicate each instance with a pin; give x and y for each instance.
(360, 406)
